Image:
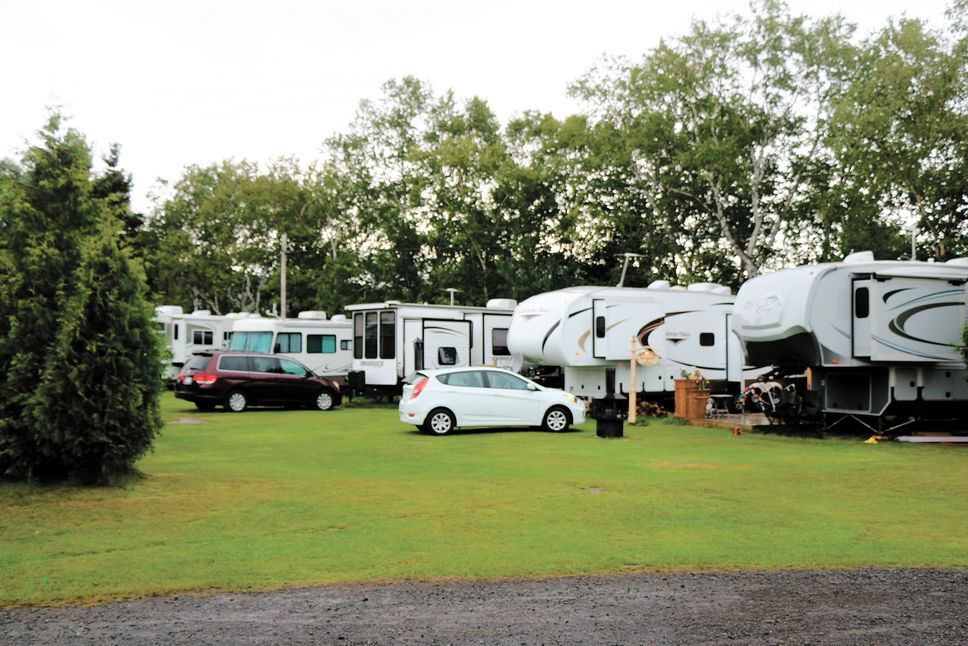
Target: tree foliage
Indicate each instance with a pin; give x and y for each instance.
(79, 361)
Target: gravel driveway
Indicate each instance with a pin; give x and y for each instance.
(872, 606)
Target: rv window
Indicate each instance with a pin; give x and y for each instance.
(387, 334)
(447, 356)
(862, 303)
(707, 339)
(289, 342)
(600, 327)
(371, 338)
(499, 342)
(345, 344)
(202, 337)
(175, 333)
(255, 341)
(357, 336)
(320, 343)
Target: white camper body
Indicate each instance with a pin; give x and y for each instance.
(587, 330)
(324, 345)
(392, 340)
(185, 334)
(876, 337)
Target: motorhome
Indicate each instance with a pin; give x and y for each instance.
(184, 334)
(588, 330)
(392, 340)
(875, 340)
(324, 345)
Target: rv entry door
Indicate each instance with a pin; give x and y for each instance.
(861, 317)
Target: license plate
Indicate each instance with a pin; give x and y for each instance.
(188, 381)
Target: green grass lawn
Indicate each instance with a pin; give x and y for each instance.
(272, 498)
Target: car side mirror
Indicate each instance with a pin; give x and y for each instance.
(532, 388)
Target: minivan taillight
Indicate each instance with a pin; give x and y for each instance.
(418, 387)
(206, 380)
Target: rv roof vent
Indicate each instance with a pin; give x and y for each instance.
(957, 261)
(502, 303)
(702, 287)
(338, 318)
(202, 313)
(312, 314)
(660, 284)
(859, 256)
(168, 309)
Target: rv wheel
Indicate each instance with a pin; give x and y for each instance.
(440, 421)
(324, 400)
(236, 401)
(556, 419)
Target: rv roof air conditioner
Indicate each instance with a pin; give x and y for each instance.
(859, 257)
(660, 284)
(502, 304)
(312, 314)
(337, 318)
(957, 261)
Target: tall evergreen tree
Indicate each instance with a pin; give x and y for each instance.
(79, 365)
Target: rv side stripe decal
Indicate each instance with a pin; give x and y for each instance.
(553, 328)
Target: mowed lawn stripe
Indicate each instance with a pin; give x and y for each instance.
(272, 498)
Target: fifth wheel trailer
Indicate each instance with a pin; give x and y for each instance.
(184, 334)
(392, 340)
(876, 341)
(587, 330)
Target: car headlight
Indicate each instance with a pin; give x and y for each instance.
(571, 398)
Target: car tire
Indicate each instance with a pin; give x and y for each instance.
(204, 404)
(324, 400)
(236, 401)
(440, 421)
(556, 419)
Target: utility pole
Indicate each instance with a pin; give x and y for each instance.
(282, 277)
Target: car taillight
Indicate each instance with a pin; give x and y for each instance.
(418, 387)
(205, 379)
(180, 378)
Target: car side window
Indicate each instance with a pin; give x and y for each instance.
(236, 363)
(292, 368)
(266, 364)
(505, 381)
(469, 379)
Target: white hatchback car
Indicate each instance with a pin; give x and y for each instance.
(438, 401)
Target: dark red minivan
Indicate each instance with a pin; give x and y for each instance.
(238, 380)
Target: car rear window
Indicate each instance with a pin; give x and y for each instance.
(198, 362)
(471, 379)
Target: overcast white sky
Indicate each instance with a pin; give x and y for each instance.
(197, 81)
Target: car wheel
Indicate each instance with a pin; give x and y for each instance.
(556, 419)
(440, 421)
(204, 404)
(324, 400)
(236, 401)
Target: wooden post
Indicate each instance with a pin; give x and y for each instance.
(634, 360)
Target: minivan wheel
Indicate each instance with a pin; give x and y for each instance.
(440, 421)
(236, 401)
(556, 419)
(324, 400)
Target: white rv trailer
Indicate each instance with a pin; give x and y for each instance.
(876, 339)
(392, 340)
(324, 345)
(589, 330)
(185, 334)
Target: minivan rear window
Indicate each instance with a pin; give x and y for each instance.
(236, 363)
(198, 362)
